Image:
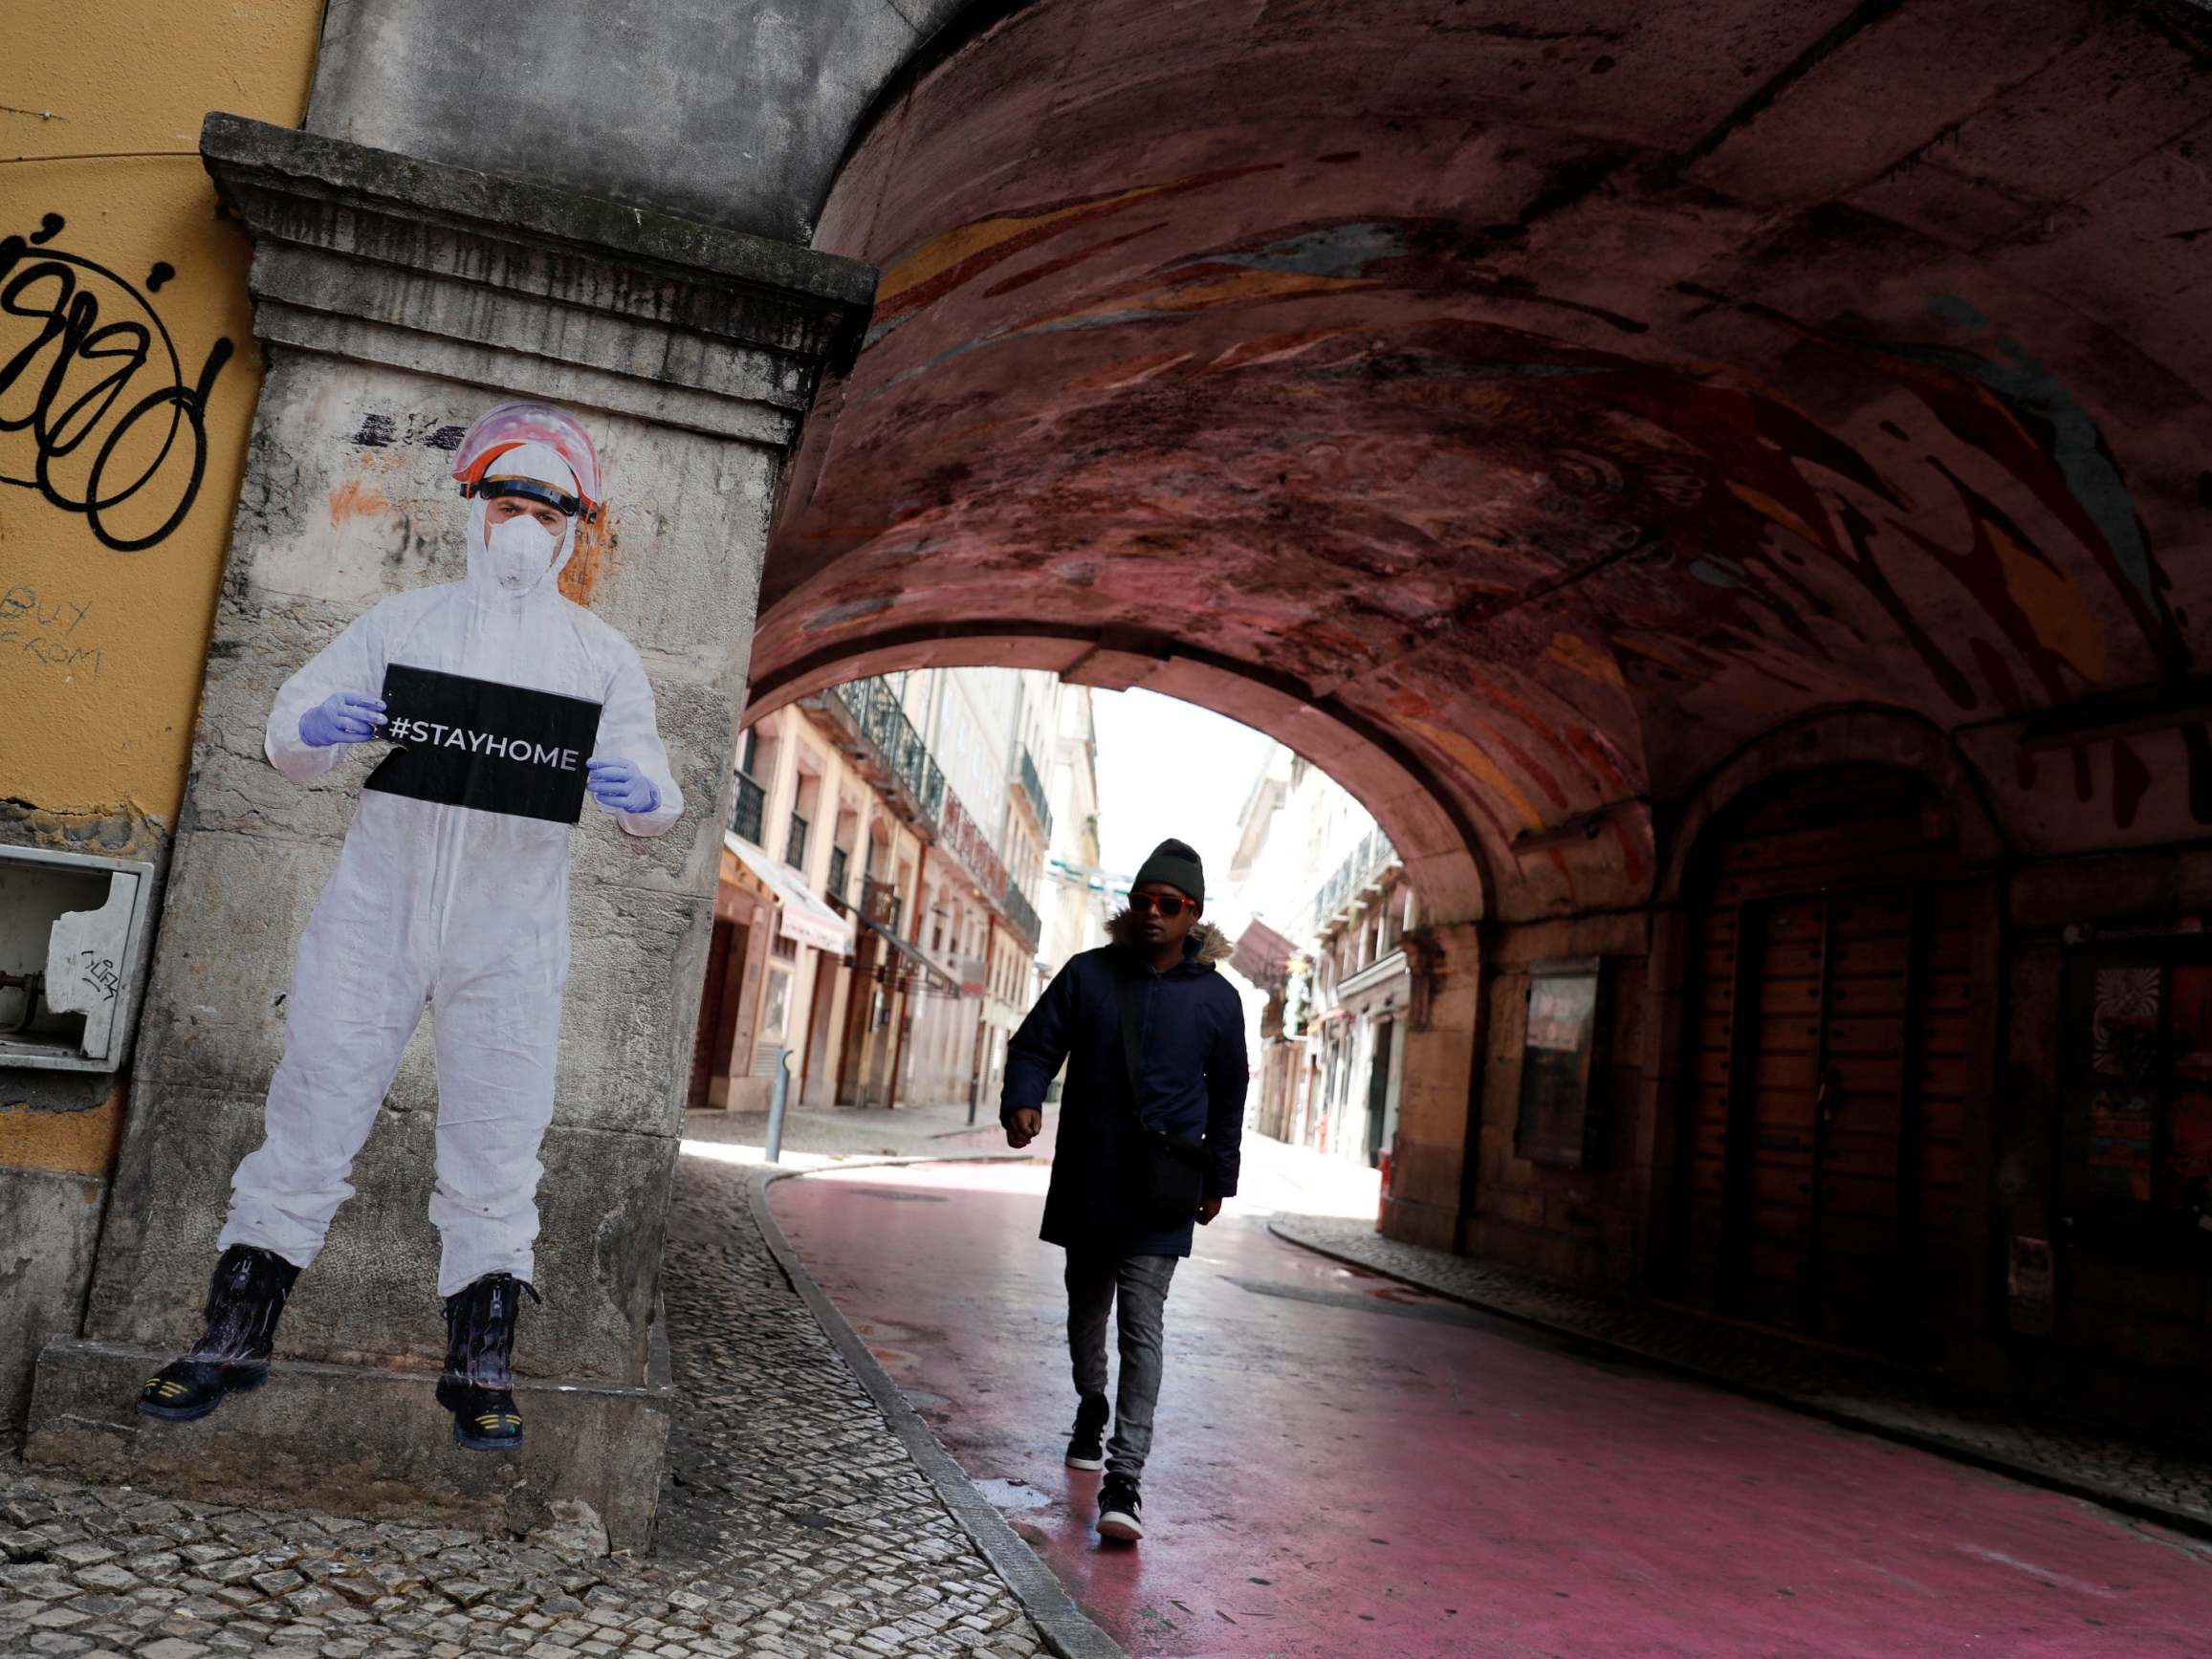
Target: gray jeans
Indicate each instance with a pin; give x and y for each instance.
(1141, 1282)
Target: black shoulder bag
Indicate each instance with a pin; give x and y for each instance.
(1163, 1175)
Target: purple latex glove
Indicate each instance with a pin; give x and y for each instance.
(342, 717)
(618, 786)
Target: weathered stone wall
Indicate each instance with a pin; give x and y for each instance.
(733, 115)
(1441, 1032)
(49, 1223)
(1581, 1226)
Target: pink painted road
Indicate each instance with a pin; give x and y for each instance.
(1344, 1468)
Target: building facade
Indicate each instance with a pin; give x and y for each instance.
(1079, 896)
(878, 935)
(1323, 908)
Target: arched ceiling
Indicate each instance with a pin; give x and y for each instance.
(1573, 393)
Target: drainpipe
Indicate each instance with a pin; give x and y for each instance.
(909, 908)
(983, 1013)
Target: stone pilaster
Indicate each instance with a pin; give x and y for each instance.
(398, 300)
(1437, 1113)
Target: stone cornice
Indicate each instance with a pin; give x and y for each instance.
(366, 254)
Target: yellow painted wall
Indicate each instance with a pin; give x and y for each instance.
(101, 649)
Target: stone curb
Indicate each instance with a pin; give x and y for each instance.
(1066, 1630)
(2128, 1503)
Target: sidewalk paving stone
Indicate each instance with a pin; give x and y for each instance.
(793, 1522)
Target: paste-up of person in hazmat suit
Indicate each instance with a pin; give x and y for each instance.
(456, 908)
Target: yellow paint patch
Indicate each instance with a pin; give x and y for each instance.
(100, 709)
(1668, 653)
(1576, 654)
(64, 1142)
(1240, 289)
(2054, 607)
(1248, 285)
(1485, 770)
(966, 241)
(1773, 511)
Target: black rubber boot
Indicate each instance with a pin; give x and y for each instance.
(479, 1345)
(248, 1293)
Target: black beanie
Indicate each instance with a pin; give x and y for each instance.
(1177, 865)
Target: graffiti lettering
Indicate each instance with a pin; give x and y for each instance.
(46, 633)
(100, 973)
(99, 438)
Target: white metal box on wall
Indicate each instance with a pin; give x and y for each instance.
(74, 931)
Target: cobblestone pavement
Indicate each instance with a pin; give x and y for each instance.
(794, 1523)
(2174, 1484)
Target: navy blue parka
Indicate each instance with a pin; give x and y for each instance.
(1191, 1048)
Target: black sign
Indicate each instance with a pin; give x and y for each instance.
(475, 743)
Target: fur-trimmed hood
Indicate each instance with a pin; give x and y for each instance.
(1214, 944)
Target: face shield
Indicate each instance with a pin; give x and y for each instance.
(516, 553)
(499, 432)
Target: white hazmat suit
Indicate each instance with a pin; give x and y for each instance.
(446, 907)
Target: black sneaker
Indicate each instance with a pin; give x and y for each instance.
(245, 1299)
(1086, 1446)
(1120, 1510)
(478, 1383)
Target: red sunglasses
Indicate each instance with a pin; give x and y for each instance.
(1166, 905)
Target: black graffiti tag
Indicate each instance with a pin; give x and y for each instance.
(80, 388)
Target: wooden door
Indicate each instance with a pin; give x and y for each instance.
(721, 997)
(1828, 1086)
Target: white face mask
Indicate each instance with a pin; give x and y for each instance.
(521, 550)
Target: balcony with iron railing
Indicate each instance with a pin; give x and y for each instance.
(751, 808)
(1032, 788)
(871, 727)
(1373, 855)
(888, 750)
(794, 843)
(1021, 916)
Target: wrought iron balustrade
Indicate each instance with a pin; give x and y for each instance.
(1374, 853)
(1022, 914)
(874, 711)
(1033, 786)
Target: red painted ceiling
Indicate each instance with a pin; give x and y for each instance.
(1555, 397)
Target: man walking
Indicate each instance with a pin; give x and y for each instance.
(1153, 1040)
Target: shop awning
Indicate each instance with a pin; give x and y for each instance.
(913, 953)
(801, 916)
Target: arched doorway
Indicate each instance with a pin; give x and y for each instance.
(1827, 1063)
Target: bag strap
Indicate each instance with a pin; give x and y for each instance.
(1126, 999)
